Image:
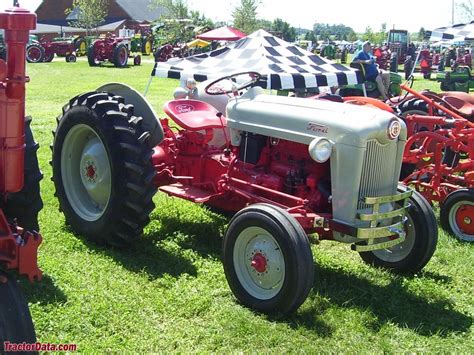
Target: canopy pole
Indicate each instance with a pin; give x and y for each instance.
(148, 86)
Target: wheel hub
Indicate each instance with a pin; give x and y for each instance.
(259, 262)
(464, 219)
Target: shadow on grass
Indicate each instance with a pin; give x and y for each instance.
(389, 304)
(144, 256)
(204, 236)
(43, 292)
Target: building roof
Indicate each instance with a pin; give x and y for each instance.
(141, 10)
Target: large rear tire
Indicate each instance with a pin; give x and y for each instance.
(16, 325)
(267, 259)
(91, 56)
(102, 169)
(34, 53)
(414, 253)
(25, 205)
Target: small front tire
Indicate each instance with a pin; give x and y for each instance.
(457, 214)
(413, 254)
(267, 259)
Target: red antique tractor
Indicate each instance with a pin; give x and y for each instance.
(19, 183)
(116, 50)
(287, 168)
(44, 51)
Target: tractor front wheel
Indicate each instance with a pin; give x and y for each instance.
(102, 169)
(137, 60)
(34, 53)
(267, 259)
(120, 56)
(457, 214)
(421, 238)
(71, 58)
(16, 325)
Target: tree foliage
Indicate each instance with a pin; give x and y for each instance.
(178, 22)
(325, 32)
(90, 13)
(465, 11)
(245, 16)
(287, 31)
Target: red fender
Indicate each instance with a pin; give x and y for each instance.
(368, 101)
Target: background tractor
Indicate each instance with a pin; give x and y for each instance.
(44, 51)
(116, 50)
(19, 182)
(398, 41)
(285, 167)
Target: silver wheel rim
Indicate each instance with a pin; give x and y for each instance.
(85, 171)
(259, 263)
(454, 224)
(400, 251)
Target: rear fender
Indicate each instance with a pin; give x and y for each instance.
(142, 109)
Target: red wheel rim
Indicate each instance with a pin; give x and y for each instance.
(34, 53)
(465, 219)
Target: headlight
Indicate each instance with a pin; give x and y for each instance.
(320, 149)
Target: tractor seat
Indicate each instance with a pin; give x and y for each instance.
(461, 101)
(193, 115)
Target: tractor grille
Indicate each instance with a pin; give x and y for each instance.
(378, 171)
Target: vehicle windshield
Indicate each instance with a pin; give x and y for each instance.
(397, 37)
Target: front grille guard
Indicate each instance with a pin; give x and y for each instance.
(369, 236)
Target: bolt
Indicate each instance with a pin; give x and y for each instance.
(467, 220)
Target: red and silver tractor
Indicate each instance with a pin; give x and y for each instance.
(19, 183)
(116, 50)
(286, 168)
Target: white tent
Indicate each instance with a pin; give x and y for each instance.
(281, 64)
(458, 33)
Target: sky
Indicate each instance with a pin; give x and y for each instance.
(358, 14)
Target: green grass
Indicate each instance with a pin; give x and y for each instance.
(169, 293)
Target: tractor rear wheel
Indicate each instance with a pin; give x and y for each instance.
(102, 169)
(91, 56)
(26, 204)
(121, 56)
(16, 325)
(34, 53)
(80, 46)
(147, 45)
(421, 238)
(457, 214)
(267, 259)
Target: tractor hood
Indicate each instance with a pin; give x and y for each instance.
(301, 120)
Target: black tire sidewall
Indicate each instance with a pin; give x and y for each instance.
(84, 115)
(16, 325)
(286, 236)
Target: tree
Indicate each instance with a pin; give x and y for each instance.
(245, 16)
(174, 23)
(326, 32)
(288, 32)
(465, 11)
(88, 13)
(421, 34)
(369, 34)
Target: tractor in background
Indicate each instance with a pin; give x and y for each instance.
(19, 182)
(398, 41)
(45, 51)
(116, 50)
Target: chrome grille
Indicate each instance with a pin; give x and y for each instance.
(378, 171)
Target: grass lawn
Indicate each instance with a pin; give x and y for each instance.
(168, 292)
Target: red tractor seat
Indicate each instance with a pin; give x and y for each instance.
(194, 115)
(462, 101)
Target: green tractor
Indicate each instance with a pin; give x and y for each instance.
(460, 79)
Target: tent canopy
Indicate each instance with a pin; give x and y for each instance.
(283, 66)
(222, 34)
(459, 33)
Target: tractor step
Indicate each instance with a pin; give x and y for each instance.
(191, 193)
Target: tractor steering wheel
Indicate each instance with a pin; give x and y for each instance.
(232, 84)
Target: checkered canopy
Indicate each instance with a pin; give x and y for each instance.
(281, 64)
(460, 33)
